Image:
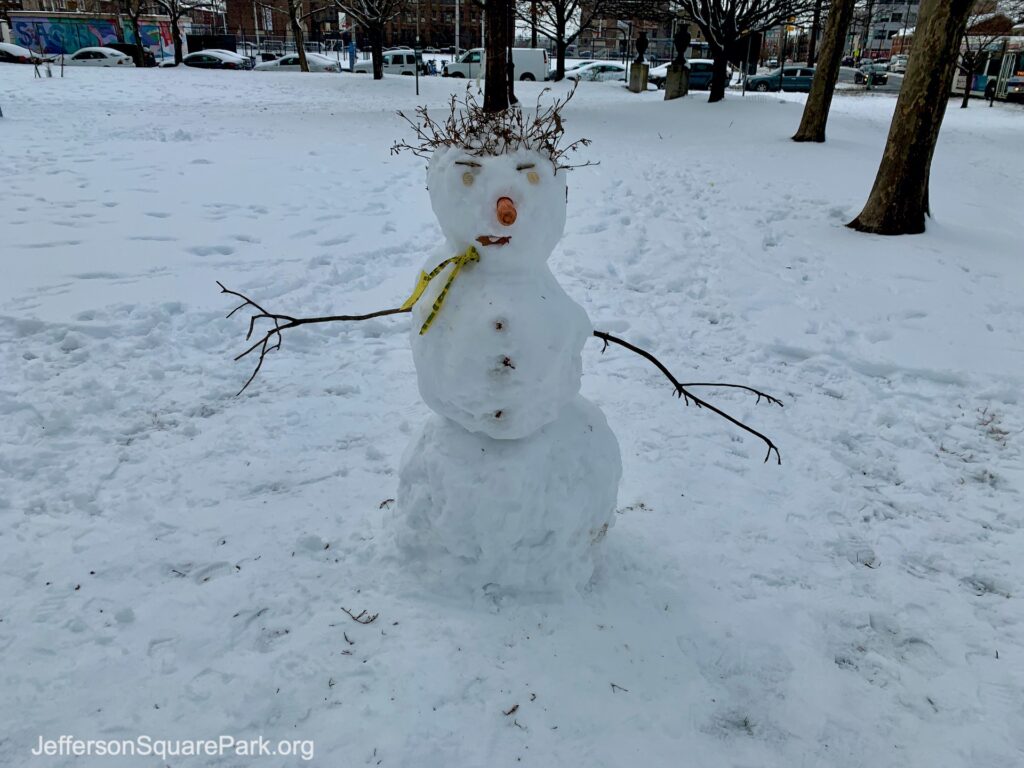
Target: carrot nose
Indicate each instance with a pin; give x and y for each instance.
(506, 211)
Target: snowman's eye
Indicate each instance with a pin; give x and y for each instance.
(533, 177)
(469, 176)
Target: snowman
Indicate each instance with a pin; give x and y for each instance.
(512, 483)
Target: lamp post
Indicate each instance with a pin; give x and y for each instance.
(416, 51)
(456, 30)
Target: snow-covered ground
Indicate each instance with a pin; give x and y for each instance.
(175, 559)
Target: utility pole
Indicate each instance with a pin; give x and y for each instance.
(416, 51)
(457, 30)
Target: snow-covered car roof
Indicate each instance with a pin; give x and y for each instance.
(218, 53)
(102, 49)
(17, 50)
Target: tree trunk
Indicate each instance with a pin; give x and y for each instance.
(865, 40)
(176, 37)
(968, 68)
(815, 26)
(510, 33)
(719, 72)
(300, 42)
(560, 45)
(140, 57)
(496, 48)
(377, 49)
(898, 203)
(819, 100)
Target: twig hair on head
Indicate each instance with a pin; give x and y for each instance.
(483, 134)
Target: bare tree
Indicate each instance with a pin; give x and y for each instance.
(812, 40)
(134, 9)
(176, 10)
(989, 20)
(562, 21)
(726, 22)
(898, 203)
(819, 100)
(294, 10)
(373, 15)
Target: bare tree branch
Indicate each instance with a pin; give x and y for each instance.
(681, 391)
(271, 340)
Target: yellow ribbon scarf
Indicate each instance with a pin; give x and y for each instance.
(469, 256)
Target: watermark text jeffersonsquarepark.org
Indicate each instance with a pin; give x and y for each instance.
(144, 745)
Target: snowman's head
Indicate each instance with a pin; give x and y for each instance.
(510, 206)
(497, 180)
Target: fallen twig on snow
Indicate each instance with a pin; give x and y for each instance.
(362, 617)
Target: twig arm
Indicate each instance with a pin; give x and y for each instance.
(681, 391)
(268, 343)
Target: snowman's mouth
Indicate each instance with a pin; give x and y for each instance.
(491, 240)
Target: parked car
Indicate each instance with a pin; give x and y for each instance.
(602, 71)
(876, 71)
(398, 61)
(530, 64)
(317, 63)
(700, 74)
(848, 61)
(130, 49)
(15, 54)
(248, 62)
(792, 79)
(96, 56)
(898, 63)
(216, 59)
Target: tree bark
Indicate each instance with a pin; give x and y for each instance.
(819, 100)
(496, 48)
(719, 73)
(898, 203)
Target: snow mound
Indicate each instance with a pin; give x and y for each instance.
(509, 516)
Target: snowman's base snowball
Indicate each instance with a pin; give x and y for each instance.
(509, 516)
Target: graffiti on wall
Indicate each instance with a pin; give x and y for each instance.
(56, 34)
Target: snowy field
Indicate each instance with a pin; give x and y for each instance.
(175, 559)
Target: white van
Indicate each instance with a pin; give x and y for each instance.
(530, 64)
(399, 61)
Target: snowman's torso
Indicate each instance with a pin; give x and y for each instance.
(502, 356)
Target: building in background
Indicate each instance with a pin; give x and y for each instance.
(611, 37)
(877, 25)
(437, 25)
(328, 26)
